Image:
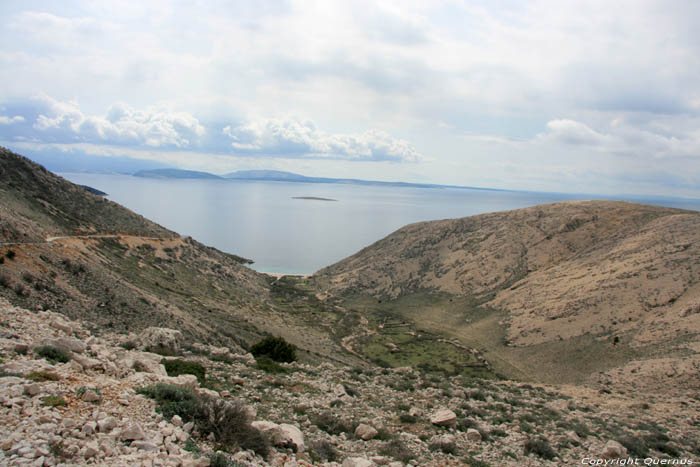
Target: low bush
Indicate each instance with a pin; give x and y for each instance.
(331, 424)
(183, 367)
(54, 401)
(398, 450)
(407, 418)
(53, 354)
(268, 365)
(323, 451)
(40, 376)
(275, 348)
(228, 422)
(540, 447)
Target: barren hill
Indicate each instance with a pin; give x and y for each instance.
(68, 250)
(615, 272)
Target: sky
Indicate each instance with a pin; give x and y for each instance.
(547, 95)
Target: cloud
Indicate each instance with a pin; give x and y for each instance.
(643, 140)
(291, 137)
(4, 120)
(121, 125)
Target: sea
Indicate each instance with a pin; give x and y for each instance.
(280, 227)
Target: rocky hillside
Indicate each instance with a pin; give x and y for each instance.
(36, 204)
(589, 273)
(69, 397)
(65, 249)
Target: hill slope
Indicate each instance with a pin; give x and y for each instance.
(65, 249)
(599, 271)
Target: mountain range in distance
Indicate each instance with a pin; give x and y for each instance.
(281, 176)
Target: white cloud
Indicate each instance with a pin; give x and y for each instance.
(622, 138)
(122, 125)
(293, 137)
(4, 120)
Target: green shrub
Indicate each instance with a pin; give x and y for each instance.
(268, 365)
(228, 422)
(53, 354)
(183, 367)
(10, 254)
(54, 401)
(40, 376)
(331, 424)
(173, 400)
(323, 451)
(540, 447)
(275, 348)
(407, 418)
(398, 450)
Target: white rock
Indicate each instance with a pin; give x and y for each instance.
(443, 417)
(107, 424)
(365, 432)
(473, 435)
(294, 437)
(144, 445)
(165, 339)
(132, 431)
(89, 428)
(357, 462)
(176, 420)
(614, 450)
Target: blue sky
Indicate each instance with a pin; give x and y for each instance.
(577, 96)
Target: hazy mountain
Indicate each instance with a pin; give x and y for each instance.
(174, 173)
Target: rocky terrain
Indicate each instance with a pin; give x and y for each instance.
(91, 409)
(560, 279)
(540, 336)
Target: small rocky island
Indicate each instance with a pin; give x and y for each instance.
(314, 198)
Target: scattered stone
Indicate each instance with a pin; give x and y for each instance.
(365, 432)
(473, 435)
(132, 431)
(613, 450)
(443, 417)
(164, 340)
(144, 445)
(357, 462)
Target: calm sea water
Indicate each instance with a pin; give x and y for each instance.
(262, 221)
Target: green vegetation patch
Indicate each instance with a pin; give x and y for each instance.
(228, 422)
(275, 348)
(179, 367)
(53, 354)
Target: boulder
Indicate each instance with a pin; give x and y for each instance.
(357, 462)
(66, 343)
(473, 435)
(163, 340)
(107, 424)
(443, 417)
(132, 431)
(293, 437)
(365, 432)
(144, 445)
(147, 365)
(614, 450)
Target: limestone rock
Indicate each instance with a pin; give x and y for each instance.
(293, 437)
(614, 450)
(443, 417)
(357, 462)
(473, 435)
(132, 431)
(161, 339)
(144, 445)
(365, 432)
(107, 424)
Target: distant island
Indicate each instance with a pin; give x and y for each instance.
(314, 198)
(281, 176)
(175, 173)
